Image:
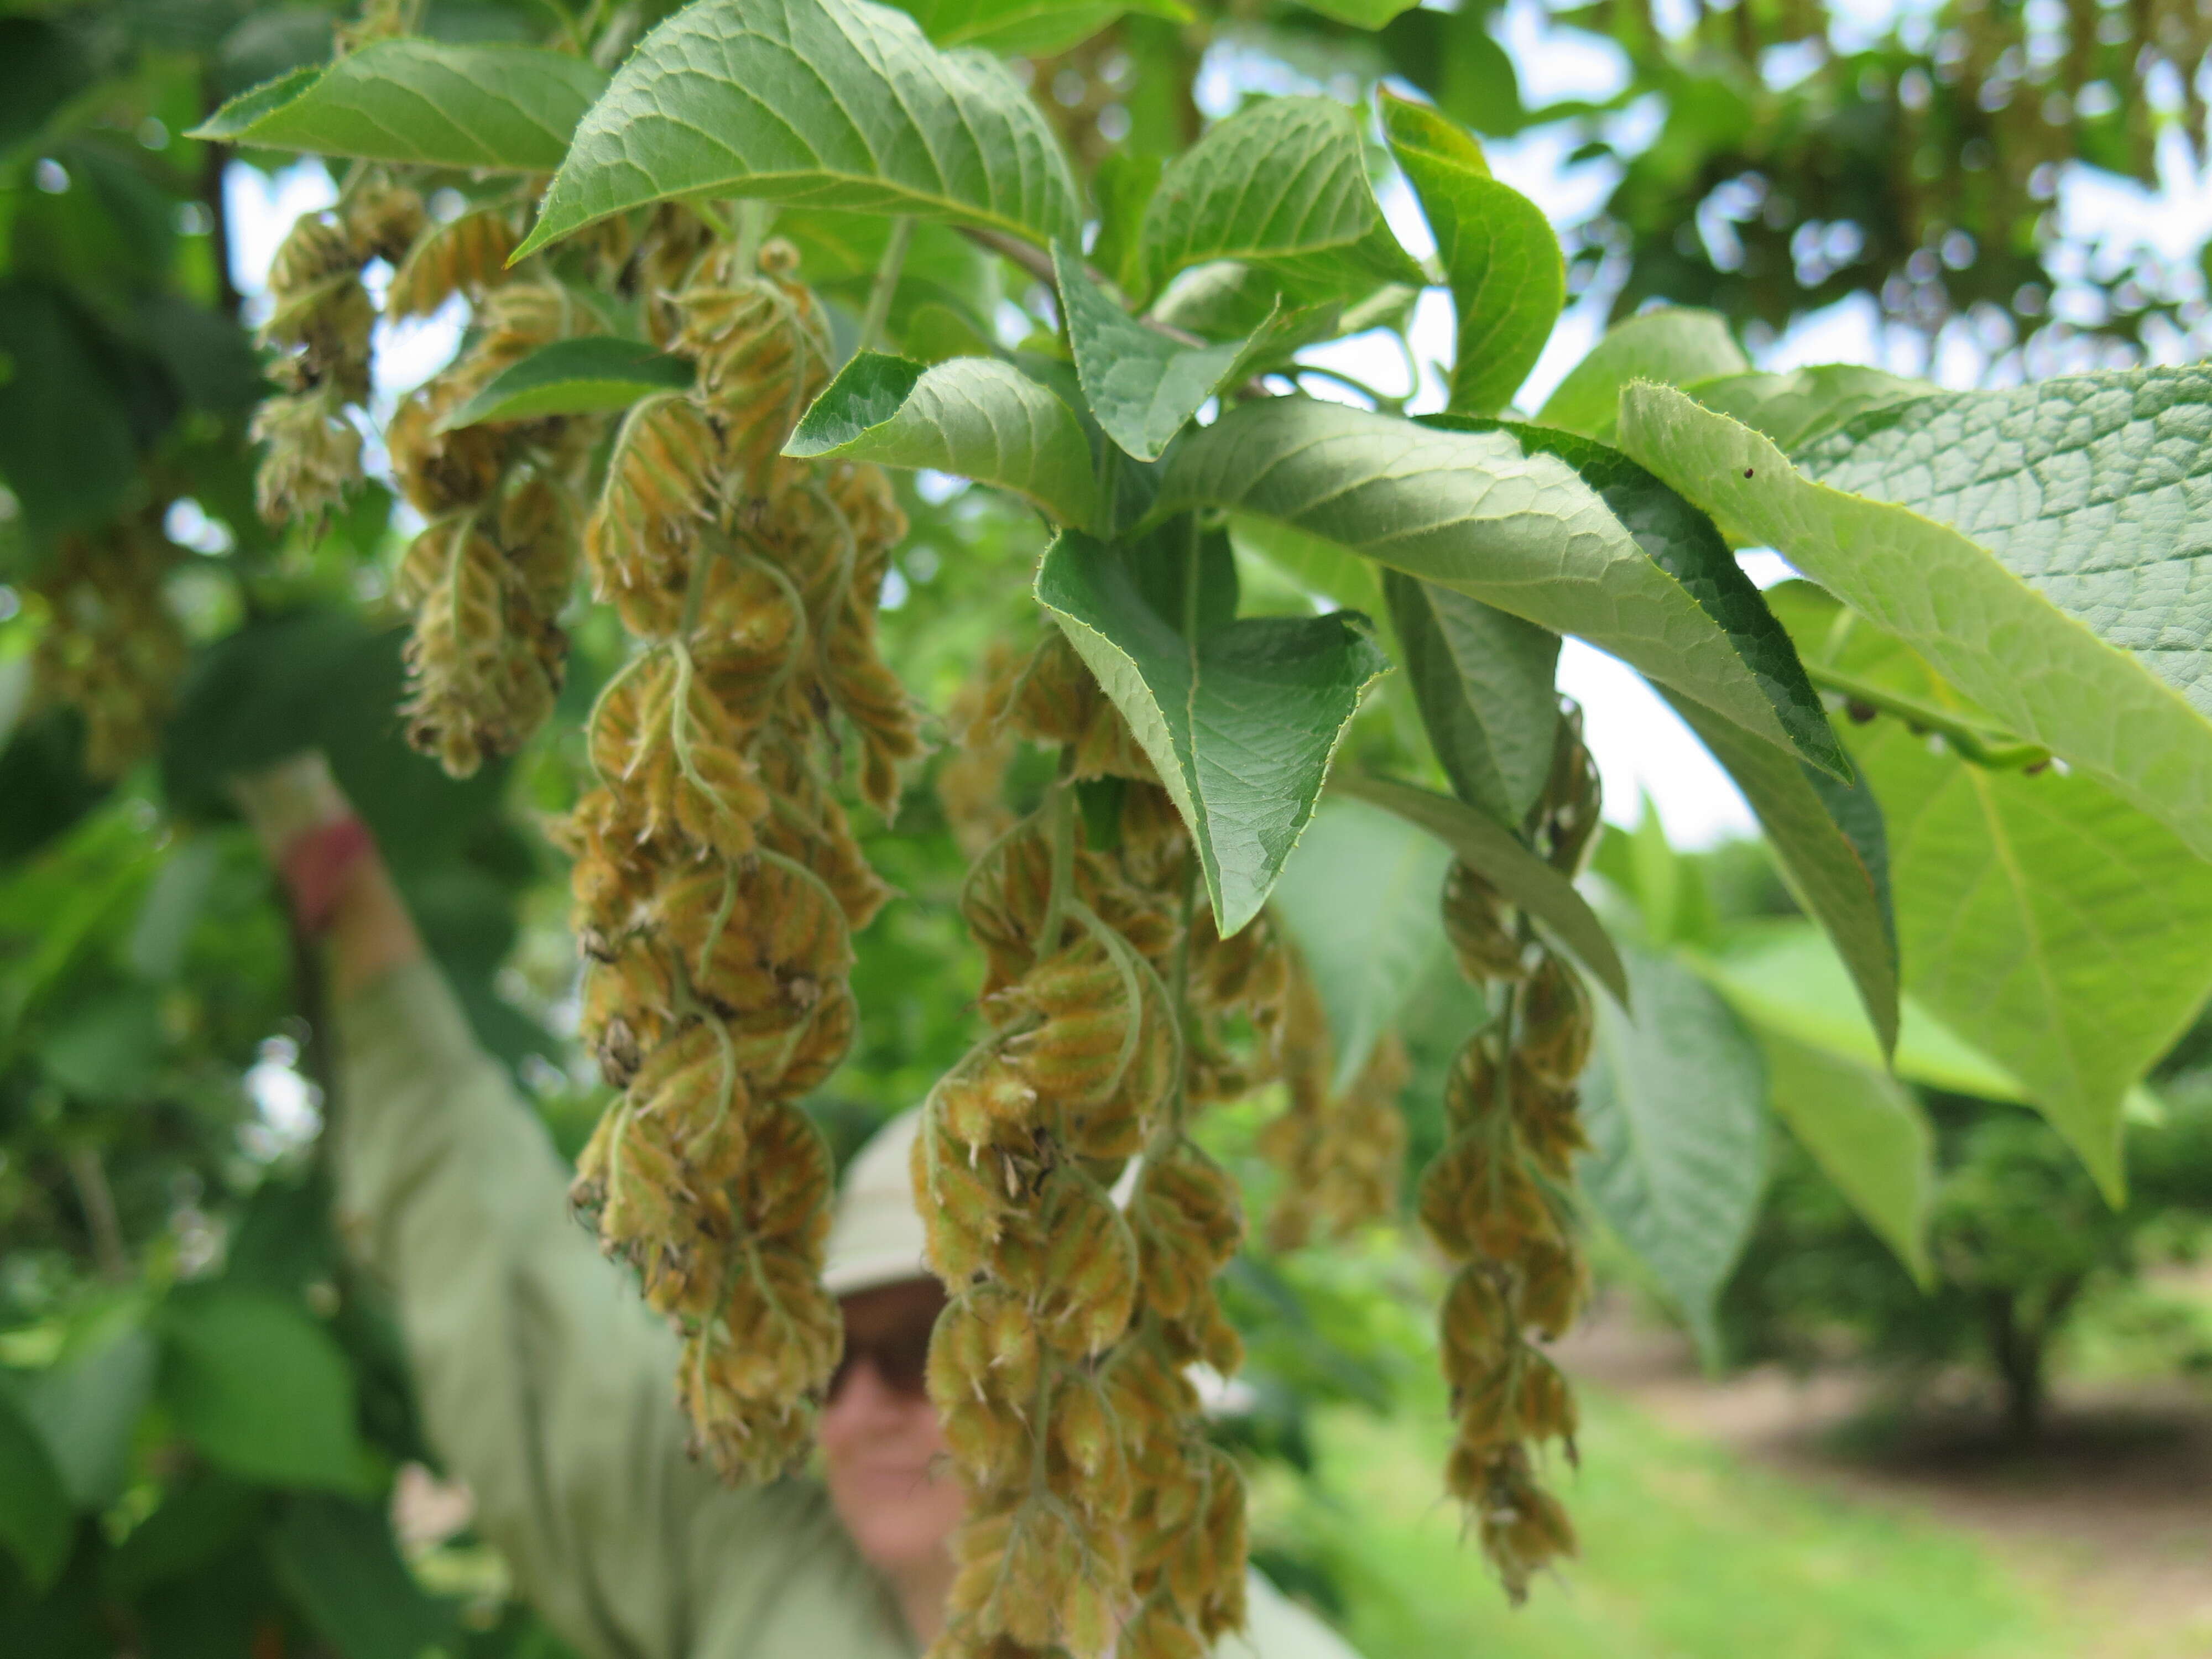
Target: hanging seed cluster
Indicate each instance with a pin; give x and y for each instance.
(484, 581)
(1495, 1200)
(717, 881)
(320, 326)
(1101, 1518)
(1340, 1151)
(111, 647)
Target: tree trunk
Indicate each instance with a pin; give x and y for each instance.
(2017, 1346)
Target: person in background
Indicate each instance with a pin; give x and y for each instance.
(546, 1383)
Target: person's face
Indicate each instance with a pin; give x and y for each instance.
(889, 1476)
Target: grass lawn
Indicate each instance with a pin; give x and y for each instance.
(1686, 1554)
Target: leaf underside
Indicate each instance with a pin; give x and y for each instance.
(583, 376)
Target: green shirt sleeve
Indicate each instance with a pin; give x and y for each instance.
(545, 1382)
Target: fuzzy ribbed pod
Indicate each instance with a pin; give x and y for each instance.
(320, 322)
(1340, 1151)
(486, 578)
(717, 882)
(1101, 1517)
(1496, 1199)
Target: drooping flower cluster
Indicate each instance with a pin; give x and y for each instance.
(1100, 1515)
(717, 881)
(1496, 1199)
(1340, 1149)
(111, 647)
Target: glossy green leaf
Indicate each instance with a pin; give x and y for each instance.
(1360, 897)
(262, 1390)
(503, 109)
(2095, 489)
(2040, 672)
(36, 1522)
(584, 376)
(821, 103)
(340, 1565)
(975, 416)
(2047, 922)
(1453, 57)
(1143, 387)
(1502, 264)
(1604, 552)
(1679, 345)
(1486, 683)
(1240, 720)
(1674, 1105)
(1028, 29)
(1797, 407)
(1869, 1133)
(1829, 839)
(1485, 846)
(1281, 184)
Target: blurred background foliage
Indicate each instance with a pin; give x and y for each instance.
(203, 1413)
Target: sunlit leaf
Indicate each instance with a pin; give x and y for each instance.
(1502, 264)
(1611, 556)
(2042, 672)
(1281, 184)
(976, 417)
(499, 108)
(821, 103)
(1677, 346)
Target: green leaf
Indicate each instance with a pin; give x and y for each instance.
(262, 1390)
(1281, 184)
(1604, 552)
(1797, 407)
(109, 1049)
(338, 1563)
(1485, 681)
(87, 1409)
(2040, 672)
(1829, 839)
(171, 910)
(1143, 387)
(1360, 897)
(36, 1522)
(1868, 1134)
(1489, 848)
(573, 377)
(1328, 570)
(2049, 923)
(1453, 57)
(1508, 278)
(976, 417)
(1674, 1106)
(1786, 977)
(1240, 720)
(1679, 345)
(1028, 29)
(2092, 489)
(1361, 14)
(501, 109)
(67, 451)
(821, 103)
